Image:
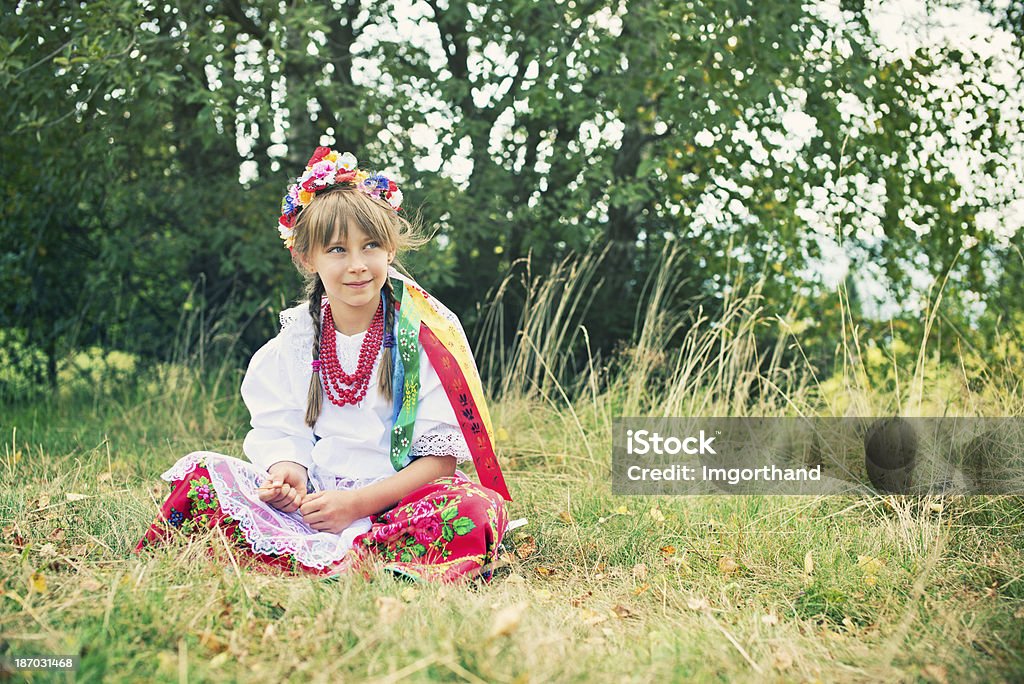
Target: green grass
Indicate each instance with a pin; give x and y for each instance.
(598, 587)
(618, 588)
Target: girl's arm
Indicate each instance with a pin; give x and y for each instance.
(384, 494)
(333, 510)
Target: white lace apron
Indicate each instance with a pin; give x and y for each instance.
(266, 529)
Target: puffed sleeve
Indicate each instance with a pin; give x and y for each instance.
(278, 409)
(436, 432)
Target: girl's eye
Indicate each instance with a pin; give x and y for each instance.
(372, 245)
(336, 250)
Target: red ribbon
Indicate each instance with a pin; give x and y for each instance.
(470, 421)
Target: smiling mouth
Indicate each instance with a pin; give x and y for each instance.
(360, 284)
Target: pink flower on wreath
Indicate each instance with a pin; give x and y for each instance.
(203, 493)
(427, 531)
(319, 176)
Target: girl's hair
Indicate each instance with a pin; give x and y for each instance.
(329, 215)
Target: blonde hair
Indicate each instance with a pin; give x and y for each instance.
(328, 216)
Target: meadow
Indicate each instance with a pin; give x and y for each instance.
(594, 588)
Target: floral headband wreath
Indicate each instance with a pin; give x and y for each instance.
(324, 169)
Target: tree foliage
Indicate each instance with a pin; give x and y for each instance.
(756, 134)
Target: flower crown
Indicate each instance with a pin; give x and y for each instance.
(324, 169)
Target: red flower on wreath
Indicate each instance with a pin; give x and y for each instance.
(318, 154)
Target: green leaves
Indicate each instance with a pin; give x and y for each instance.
(463, 526)
(559, 128)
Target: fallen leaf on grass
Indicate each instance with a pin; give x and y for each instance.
(90, 585)
(38, 582)
(640, 571)
(212, 642)
(389, 609)
(668, 550)
(808, 564)
(870, 580)
(219, 659)
(566, 517)
(622, 612)
(408, 594)
(935, 673)
(782, 660)
(11, 532)
(544, 571)
(507, 620)
(526, 548)
(579, 600)
(641, 589)
(71, 496)
(104, 477)
(656, 515)
(727, 565)
(870, 564)
(167, 661)
(591, 618)
(771, 619)
(697, 603)
(679, 562)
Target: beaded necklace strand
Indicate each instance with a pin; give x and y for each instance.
(333, 377)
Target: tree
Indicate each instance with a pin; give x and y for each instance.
(755, 134)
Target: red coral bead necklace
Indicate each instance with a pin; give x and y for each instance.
(340, 387)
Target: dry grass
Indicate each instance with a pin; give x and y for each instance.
(598, 588)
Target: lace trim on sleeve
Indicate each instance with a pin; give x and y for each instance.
(296, 338)
(442, 440)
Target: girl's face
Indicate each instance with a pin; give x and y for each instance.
(353, 268)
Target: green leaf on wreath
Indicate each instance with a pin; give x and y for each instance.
(449, 513)
(418, 550)
(447, 533)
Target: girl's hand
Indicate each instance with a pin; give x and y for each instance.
(332, 511)
(286, 488)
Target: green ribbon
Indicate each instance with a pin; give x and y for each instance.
(407, 333)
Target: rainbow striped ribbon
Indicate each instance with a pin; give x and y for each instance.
(419, 322)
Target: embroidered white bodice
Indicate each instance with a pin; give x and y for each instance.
(349, 443)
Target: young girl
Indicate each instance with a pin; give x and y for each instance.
(361, 408)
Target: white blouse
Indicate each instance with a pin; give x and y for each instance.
(351, 443)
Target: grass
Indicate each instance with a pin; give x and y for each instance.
(598, 587)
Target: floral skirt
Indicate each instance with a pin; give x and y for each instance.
(447, 530)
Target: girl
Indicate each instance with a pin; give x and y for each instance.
(361, 408)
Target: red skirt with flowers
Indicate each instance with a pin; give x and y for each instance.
(447, 530)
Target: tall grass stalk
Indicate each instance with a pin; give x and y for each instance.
(598, 588)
